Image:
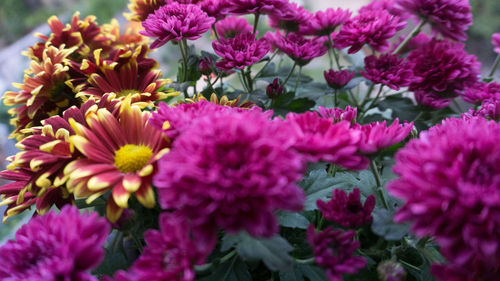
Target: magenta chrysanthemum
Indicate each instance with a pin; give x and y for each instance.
(490, 109)
(334, 251)
(325, 22)
(202, 175)
(299, 48)
(241, 51)
(232, 26)
(292, 19)
(449, 17)
(389, 70)
(347, 210)
(337, 114)
(377, 136)
(217, 9)
(388, 5)
(481, 91)
(63, 246)
(374, 28)
(449, 180)
(243, 7)
(319, 139)
(495, 40)
(176, 22)
(338, 79)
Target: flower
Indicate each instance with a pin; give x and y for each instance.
(443, 179)
(451, 18)
(377, 136)
(323, 23)
(241, 51)
(481, 91)
(299, 48)
(205, 66)
(389, 5)
(495, 40)
(333, 250)
(235, 104)
(337, 114)
(338, 79)
(202, 176)
(490, 109)
(141, 9)
(374, 28)
(391, 271)
(275, 89)
(347, 211)
(389, 70)
(119, 154)
(292, 19)
(217, 9)
(64, 246)
(176, 22)
(319, 139)
(171, 252)
(243, 7)
(232, 26)
(476, 270)
(442, 70)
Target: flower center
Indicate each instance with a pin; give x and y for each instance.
(131, 158)
(126, 92)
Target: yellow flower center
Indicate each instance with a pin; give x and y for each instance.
(131, 158)
(124, 93)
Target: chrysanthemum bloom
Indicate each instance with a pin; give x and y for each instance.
(443, 179)
(237, 103)
(274, 89)
(442, 70)
(292, 19)
(171, 252)
(374, 28)
(490, 109)
(232, 26)
(324, 23)
(319, 139)
(347, 210)
(299, 48)
(141, 9)
(128, 39)
(243, 7)
(389, 70)
(241, 51)
(217, 9)
(338, 114)
(481, 91)
(338, 79)
(63, 246)
(388, 5)
(451, 18)
(119, 155)
(334, 252)
(202, 176)
(43, 93)
(473, 271)
(176, 22)
(495, 40)
(377, 136)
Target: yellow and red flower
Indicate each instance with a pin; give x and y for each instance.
(224, 100)
(141, 9)
(119, 155)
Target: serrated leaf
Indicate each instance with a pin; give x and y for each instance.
(384, 226)
(228, 241)
(274, 252)
(292, 220)
(302, 271)
(317, 185)
(232, 270)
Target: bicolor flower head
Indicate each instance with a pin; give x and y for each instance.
(481, 91)
(232, 26)
(176, 22)
(338, 114)
(141, 9)
(377, 136)
(374, 28)
(451, 18)
(202, 176)
(448, 179)
(324, 23)
(334, 252)
(292, 19)
(495, 40)
(389, 70)
(241, 51)
(299, 48)
(244, 7)
(64, 246)
(338, 79)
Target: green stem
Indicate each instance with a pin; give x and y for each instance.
(290, 74)
(334, 53)
(184, 61)
(418, 116)
(495, 66)
(256, 22)
(215, 32)
(265, 65)
(377, 97)
(376, 175)
(248, 76)
(410, 266)
(243, 80)
(305, 261)
(298, 80)
(335, 99)
(412, 34)
(365, 98)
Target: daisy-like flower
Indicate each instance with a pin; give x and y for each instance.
(241, 51)
(141, 9)
(224, 100)
(44, 92)
(299, 48)
(292, 19)
(389, 70)
(64, 246)
(495, 40)
(119, 155)
(377, 136)
(176, 22)
(324, 23)
(232, 26)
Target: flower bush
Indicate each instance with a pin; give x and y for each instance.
(248, 165)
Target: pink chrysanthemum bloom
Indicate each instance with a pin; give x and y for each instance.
(217, 9)
(334, 251)
(347, 210)
(319, 139)
(338, 79)
(389, 70)
(337, 114)
(377, 136)
(449, 180)
(474, 271)
(495, 40)
(388, 5)
(243, 7)
(171, 252)
(374, 28)
(490, 109)
(324, 23)
(176, 22)
(63, 246)
(442, 70)
(232, 26)
(299, 48)
(451, 18)
(241, 51)
(292, 19)
(481, 91)
(202, 175)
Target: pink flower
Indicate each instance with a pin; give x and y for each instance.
(338, 79)
(334, 251)
(325, 22)
(232, 26)
(176, 22)
(348, 211)
(217, 9)
(337, 114)
(241, 51)
(299, 48)
(293, 18)
(480, 91)
(495, 40)
(243, 7)
(388, 5)
(490, 109)
(377, 136)
(389, 70)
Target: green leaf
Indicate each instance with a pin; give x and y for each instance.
(317, 185)
(301, 105)
(293, 220)
(274, 252)
(301, 271)
(384, 226)
(232, 270)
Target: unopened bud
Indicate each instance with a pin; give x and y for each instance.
(275, 89)
(205, 66)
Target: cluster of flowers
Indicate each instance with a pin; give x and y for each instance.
(90, 125)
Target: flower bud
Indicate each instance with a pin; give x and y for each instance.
(205, 66)
(391, 271)
(275, 89)
(338, 79)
